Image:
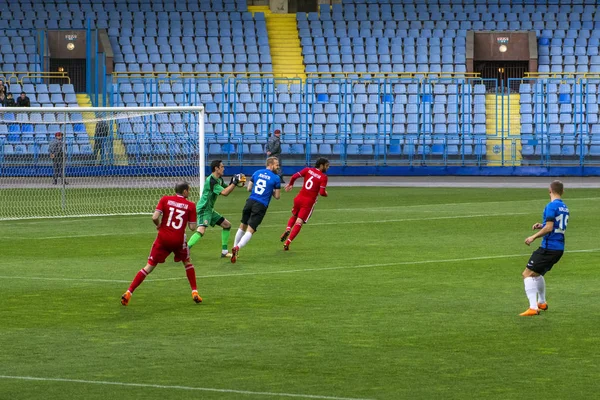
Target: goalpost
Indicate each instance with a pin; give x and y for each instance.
(107, 160)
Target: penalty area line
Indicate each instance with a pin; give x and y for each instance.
(449, 260)
(382, 221)
(177, 387)
(291, 271)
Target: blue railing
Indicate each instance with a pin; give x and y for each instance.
(364, 122)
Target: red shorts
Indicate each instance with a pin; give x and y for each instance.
(303, 208)
(160, 251)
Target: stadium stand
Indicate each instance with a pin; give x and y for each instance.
(359, 117)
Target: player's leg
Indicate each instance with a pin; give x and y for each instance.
(238, 237)
(197, 235)
(190, 272)
(530, 275)
(258, 213)
(303, 214)
(531, 291)
(541, 289)
(553, 258)
(137, 281)
(290, 224)
(246, 212)
(226, 225)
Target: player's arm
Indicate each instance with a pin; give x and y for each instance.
(227, 190)
(297, 175)
(193, 218)
(323, 188)
(156, 217)
(277, 193)
(549, 227)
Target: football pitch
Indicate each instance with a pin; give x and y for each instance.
(388, 293)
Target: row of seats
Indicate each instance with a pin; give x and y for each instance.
(119, 6)
(42, 150)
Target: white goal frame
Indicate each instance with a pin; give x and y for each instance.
(198, 110)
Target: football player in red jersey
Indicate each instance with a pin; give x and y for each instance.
(315, 184)
(172, 215)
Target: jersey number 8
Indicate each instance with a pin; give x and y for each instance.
(260, 186)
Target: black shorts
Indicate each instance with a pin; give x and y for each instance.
(542, 260)
(253, 213)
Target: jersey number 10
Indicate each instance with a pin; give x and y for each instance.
(561, 221)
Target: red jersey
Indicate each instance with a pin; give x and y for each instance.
(177, 212)
(315, 183)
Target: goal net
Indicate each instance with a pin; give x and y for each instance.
(61, 162)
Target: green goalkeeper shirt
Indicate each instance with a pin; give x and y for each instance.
(212, 188)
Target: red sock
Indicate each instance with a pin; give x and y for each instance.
(191, 275)
(295, 231)
(291, 222)
(137, 281)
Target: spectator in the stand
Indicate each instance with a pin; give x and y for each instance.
(57, 154)
(10, 102)
(23, 100)
(3, 87)
(2, 99)
(274, 150)
(101, 141)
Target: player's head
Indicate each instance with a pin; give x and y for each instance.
(183, 188)
(322, 164)
(557, 188)
(272, 163)
(216, 166)
(58, 135)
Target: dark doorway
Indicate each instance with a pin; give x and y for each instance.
(502, 71)
(75, 69)
(302, 6)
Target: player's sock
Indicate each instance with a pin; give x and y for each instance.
(295, 231)
(137, 281)
(291, 222)
(531, 292)
(191, 275)
(541, 289)
(238, 237)
(244, 240)
(194, 239)
(225, 239)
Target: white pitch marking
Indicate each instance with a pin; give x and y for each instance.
(86, 218)
(277, 226)
(448, 260)
(177, 387)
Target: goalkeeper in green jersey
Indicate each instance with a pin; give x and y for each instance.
(213, 187)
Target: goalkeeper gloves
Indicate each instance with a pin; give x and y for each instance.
(238, 180)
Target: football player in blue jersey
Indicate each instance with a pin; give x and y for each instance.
(552, 229)
(264, 184)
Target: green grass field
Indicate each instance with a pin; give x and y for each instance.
(388, 293)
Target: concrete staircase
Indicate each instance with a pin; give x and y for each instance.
(286, 52)
(119, 153)
(503, 123)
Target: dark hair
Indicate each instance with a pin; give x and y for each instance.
(181, 187)
(215, 164)
(557, 187)
(22, 92)
(321, 161)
